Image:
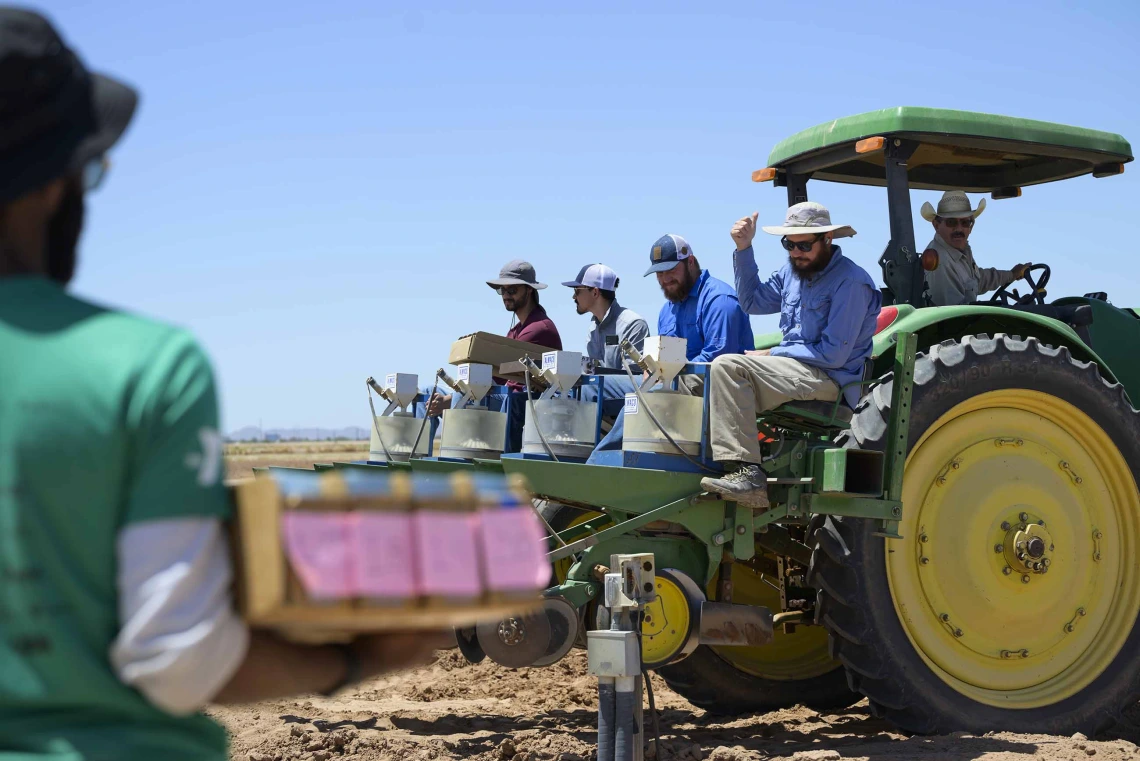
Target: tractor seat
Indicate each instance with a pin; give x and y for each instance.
(818, 408)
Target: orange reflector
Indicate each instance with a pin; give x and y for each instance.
(869, 144)
(930, 260)
(1010, 192)
(763, 175)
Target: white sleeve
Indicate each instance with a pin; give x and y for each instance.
(180, 639)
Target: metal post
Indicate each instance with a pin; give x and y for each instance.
(797, 188)
(615, 658)
(902, 266)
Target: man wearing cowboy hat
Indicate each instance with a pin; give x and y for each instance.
(117, 620)
(518, 286)
(958, 279)
(828, 306)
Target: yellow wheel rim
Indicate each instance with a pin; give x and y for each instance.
(667, 624)
(1017, 480)
(562, 567)
(788, 657)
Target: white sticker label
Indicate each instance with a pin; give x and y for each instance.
(548, 359)
(631, 404)
(390, 380)
(464, 372)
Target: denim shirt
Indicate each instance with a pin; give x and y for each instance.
(710, 319)
(828, 319)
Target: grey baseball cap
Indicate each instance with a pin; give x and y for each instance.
(517, 272)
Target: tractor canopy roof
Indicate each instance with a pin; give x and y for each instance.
(957, 150)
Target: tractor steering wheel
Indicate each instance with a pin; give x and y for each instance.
(1036, 293)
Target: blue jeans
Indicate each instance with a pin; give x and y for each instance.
(613, 404)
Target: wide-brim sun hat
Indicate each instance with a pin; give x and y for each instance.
(809, 218)
(954, 204)
(517, 272)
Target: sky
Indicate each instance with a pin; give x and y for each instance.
(319, 191)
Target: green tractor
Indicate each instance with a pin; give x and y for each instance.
(962, 548)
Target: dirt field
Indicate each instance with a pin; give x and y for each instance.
(485, 712)
(453, 710)
(242, 458)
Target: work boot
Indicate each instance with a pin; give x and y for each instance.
(747, 486)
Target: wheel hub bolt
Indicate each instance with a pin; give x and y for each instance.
(1007, 570)
(1025, 578)
(1024, 517)
(999, 548)
(1005, 525)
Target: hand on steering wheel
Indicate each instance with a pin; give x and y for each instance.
(1036, 293)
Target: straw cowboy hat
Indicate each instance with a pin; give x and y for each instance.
(955, 204)
(809, 218)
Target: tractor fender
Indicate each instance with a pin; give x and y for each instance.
(936, 324)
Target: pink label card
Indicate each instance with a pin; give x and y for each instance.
(317, 547)
(384, 548)
(514, 550)
(447, 557)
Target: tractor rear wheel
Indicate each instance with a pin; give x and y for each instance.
(1011, 601)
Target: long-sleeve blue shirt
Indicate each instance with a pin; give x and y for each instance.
(710, 319)
(828, 319)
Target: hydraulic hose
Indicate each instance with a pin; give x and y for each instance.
(607, 704)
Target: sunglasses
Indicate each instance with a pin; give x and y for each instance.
(510, 290)
(803, 245)
(952, 223)
(94, 172)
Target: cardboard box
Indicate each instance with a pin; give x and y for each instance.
(490, 349)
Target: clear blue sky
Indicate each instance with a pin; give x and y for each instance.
(319, 190)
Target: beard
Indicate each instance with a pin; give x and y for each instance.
(63, 232)
(811, 268)
(680, 291)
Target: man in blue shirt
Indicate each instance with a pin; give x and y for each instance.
(698, 308)
(828, 307)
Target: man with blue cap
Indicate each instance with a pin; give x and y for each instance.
(828, 307)
(699, 308)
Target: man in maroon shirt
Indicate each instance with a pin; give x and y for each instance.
(519, 287)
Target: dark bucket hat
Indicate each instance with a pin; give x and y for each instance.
(55, 115)
(517, 272)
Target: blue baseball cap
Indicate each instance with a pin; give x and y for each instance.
(667, 252)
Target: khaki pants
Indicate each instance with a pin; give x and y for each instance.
(742, 386)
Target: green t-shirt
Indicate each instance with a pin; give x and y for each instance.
(106, 419)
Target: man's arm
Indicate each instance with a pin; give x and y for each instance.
(755, 297)
(848, 311)
(991, 278)
(635, 332)
(722, 322)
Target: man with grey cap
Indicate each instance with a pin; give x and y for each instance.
(518, 286)
(828, 306)
(595, 293)
(958, 279)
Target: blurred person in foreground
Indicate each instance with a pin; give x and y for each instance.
(117, 621)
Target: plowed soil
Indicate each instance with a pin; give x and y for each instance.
(452, 709)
